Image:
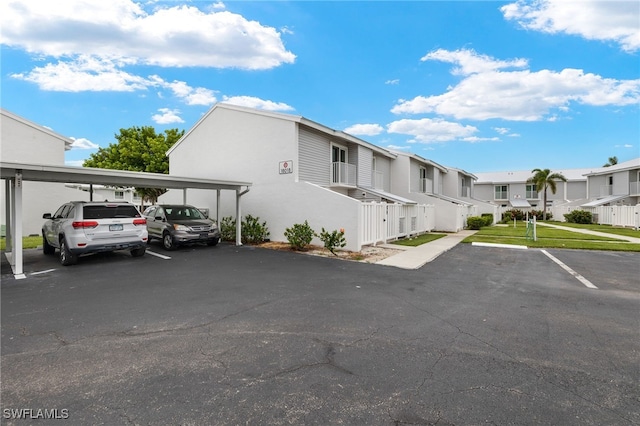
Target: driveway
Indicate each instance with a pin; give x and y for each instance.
(242, 335)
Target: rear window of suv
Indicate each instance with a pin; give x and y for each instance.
(109, 212)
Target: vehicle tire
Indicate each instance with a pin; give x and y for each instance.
(46, 247)
(66, 257)
(138, 252)
(213, 242)
(167, 242)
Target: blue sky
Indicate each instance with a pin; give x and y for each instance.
(481, 86)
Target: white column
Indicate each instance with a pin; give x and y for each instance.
(238, 219)
(8, 191)
(17, 227)
(218, 207)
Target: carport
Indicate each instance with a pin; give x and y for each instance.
(15, 173)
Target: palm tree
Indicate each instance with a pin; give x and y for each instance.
(544, 179)
(612, 161)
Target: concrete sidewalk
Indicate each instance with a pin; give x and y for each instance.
(415, 257)
(588, 231)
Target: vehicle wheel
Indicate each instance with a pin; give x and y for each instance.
(46, 247)
(167, 242)
(66, 257)
(213, 242)
(138, 252)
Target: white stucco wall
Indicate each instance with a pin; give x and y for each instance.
(26, 142)
(236, 145)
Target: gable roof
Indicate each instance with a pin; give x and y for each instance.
(288, 117)
(523, 175)
(67, 141)
(627, 165)
(422, 160)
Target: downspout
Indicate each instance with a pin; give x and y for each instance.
(238, 216)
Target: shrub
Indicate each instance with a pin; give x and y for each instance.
(228, 229)
(475, 222)
(488, 218)
(579, 216)
(299, 235)
(253, 231)
(539, 214)
(333, 240)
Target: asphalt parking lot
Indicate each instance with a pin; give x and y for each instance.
(242, 335)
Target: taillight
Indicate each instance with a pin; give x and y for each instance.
(139, 221)
(84, 224)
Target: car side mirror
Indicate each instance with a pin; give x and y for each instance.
(46, 216)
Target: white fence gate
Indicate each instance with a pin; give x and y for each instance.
(381, 222)
(627, 216)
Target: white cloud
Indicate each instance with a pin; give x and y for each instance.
(429, 130)
(470, 62)
(167, 116)
(521, 95)
(392, 82)
(594, 20)
(501, 130)
(474, 139)
(365, 129)
(177, 36)
(86, 73)
(74, 163)
(190, 95)
(253, 102)
(82, 143)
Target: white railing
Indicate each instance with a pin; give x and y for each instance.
(634, 188)
(382, 222)
(378, 179)
(343, 174)
(627, 216)
(426, 185)
(531, 195)
(606, 190)
(465, 192)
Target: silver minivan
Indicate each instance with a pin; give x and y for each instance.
(81, 227)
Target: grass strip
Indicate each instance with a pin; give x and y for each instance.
(419, 240)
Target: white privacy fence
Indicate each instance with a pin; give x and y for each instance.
(628, 216)
(381, 222)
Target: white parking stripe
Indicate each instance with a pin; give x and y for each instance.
(580, 278)
(42, 272)
(161, 256)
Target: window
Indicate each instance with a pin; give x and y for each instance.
(423, 180)
(119, 195)
(338, 154)
(532, 192)
(501, 192)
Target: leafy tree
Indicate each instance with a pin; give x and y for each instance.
(138, 149)
(544, 179)
(612, 161)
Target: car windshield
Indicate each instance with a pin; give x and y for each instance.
(182, 213)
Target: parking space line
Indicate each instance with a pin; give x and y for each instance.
(42, 272)
(579, 277)
(161, 256)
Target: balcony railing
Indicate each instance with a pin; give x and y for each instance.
(465, 192)
(343, 174)
(532, 195)
(606, 190)
(634, 188)
(426, 185)
(378, 179)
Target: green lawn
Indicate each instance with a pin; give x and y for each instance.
(549, 238)
(27, 242)
(420, 239)
(628, 232)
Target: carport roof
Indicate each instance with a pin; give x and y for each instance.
(67, 174)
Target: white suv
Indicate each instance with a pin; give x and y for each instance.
(80, 227)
